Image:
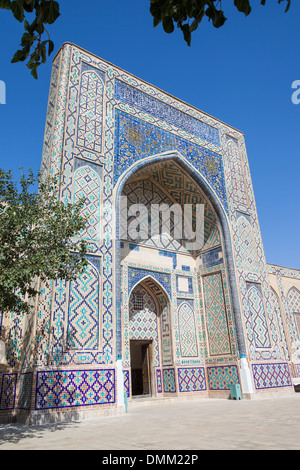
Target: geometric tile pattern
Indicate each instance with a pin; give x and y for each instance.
(158, 381)
(144, 102)
(259, 324)
(280, 327)
(177, 187)
(247, 246)
(58, 319)
(8, 391)
(239, 190)
(89, 127)
(216, 315)
(271, 375)
(220, 377)
(136, 139)
(135, 275)
(166, 336)
(191, 379)
(212, 258)
(147, 193)
(143, 324)
(294, 300)
(83, 313)
(15, 337)
(187, 328)
(69, 388)
(297, 369)
(294, 305)
(126, 383)
(169, 380)
(87, 186)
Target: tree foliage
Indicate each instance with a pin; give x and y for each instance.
(34, 45)
(186, 14)
(35, 238)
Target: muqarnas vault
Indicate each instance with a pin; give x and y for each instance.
(151, 318)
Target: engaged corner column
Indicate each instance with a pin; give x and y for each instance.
(120, 382)
(246, 379)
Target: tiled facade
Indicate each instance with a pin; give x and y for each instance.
(213, 317)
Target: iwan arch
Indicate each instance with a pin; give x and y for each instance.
(149, 318)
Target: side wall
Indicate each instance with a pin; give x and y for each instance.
(285, 284)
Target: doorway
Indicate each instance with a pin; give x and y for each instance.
(141, 353)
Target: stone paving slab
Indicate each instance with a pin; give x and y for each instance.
(215, 424)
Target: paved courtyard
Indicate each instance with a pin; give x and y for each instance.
(184, 425)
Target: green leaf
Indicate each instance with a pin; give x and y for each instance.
(168, 25)
(50, 11)
(18, 10)
(50, 46)
(19, 56)
(5, 4)
(186, 34)
(243, 6)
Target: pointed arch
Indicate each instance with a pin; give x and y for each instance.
(222, 215)
(149, 277)
(151, 320)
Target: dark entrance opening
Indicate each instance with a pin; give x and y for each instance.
(140, 353)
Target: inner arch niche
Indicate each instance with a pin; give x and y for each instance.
(169, 179)
(150, 338)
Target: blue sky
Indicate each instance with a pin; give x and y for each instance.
(241, 74)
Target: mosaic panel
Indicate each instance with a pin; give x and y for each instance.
(43, 323)
(166, 336)
(126, 382)
(246, 241)
(135, 275)
(102, 152)
(69, 388)
(58, 320)
(146, 192)
(239, 190)
(280, 325)
(8, 391)
(191, 379)
(15, 337)
(187, 328)
(216, 315)
(138, 99)
(90, 110)
(297, 370)
(271, 375)
(182, 189)
(143, 324)
(211, 258)
(83, 312)
(169, 380)
(87, 186)
(220, 377)
(259, 326)
(136, 139)
(294, 305)
(159, 381)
